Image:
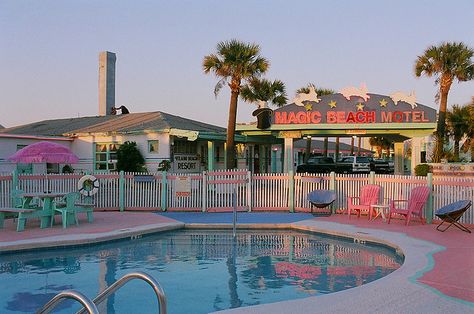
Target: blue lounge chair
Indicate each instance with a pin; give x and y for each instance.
(451, 213)
(321, 199)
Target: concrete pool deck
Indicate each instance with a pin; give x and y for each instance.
(437, 275)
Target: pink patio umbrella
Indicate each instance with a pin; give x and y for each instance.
(44, 152)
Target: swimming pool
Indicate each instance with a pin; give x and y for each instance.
(201, 271)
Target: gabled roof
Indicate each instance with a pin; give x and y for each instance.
(152, 121)
(132, 122)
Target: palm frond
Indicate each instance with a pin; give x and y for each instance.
(219, 86)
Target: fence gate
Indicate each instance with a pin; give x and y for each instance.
(218, 187)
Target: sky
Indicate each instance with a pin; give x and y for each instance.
(49, 51)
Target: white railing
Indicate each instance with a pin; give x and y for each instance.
(270, 191)
(212, 191)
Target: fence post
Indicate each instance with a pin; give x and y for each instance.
(332, 187)
(164, 191)
(122, 191)
(429, 206)
(291, 187)
(204, 190)
(372, 177)
(15, 180)
(249, 191)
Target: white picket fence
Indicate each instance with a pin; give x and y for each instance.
(213, 191)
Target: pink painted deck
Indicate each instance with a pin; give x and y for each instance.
(103, 222)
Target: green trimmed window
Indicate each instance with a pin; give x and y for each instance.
(106, 156)
(153, 146)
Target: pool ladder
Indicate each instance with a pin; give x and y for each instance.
(234, 214)
(91, 306)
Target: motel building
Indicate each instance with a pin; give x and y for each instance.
(351, 113)
(194, 146)
(95, 140)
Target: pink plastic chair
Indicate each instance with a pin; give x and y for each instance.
(369, 195)
(414, 205)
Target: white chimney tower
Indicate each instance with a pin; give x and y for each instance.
(106, 82)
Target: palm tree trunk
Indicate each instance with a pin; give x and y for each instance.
(308, 148)
(456, 150)
(472, 150)
(441, 127)
(230, 153)
(352, 145)
(326, 144)
(336, 155)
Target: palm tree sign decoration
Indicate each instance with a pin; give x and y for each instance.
(447, 62)
(234, 63)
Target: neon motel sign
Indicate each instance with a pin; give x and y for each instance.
(356, 117)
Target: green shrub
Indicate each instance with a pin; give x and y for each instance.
(164, 165)
(423, 170)
(67, 169)
(129, 158)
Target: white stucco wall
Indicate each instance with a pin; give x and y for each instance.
(8, 146)
(83, 146)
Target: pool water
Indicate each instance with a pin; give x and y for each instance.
(201, 271)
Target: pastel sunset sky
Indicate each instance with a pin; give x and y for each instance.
(49, 51)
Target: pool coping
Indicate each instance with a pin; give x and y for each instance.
(67, 240)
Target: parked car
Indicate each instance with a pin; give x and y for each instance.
(317, 164)
(353, 164)
(381, 165)
(321, 164)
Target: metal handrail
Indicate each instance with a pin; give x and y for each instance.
(234, 213)
(89, 306)
(160, 294)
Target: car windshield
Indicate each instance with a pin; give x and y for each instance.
(362, 159)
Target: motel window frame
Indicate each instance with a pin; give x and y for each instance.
(108, 157)
(150, 145)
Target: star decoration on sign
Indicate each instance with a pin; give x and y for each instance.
(332, 104)
(308, 106)
(360, 106)
(383, 103)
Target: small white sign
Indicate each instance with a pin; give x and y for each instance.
(183, 186)
(186, 163)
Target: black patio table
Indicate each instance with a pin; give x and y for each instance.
(451, 213)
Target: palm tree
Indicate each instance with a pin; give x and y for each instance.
(458, 124)
(447, 62)
(380, 143)
(234, 63)
(470, 129)
(319, 92)
(264, 90)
